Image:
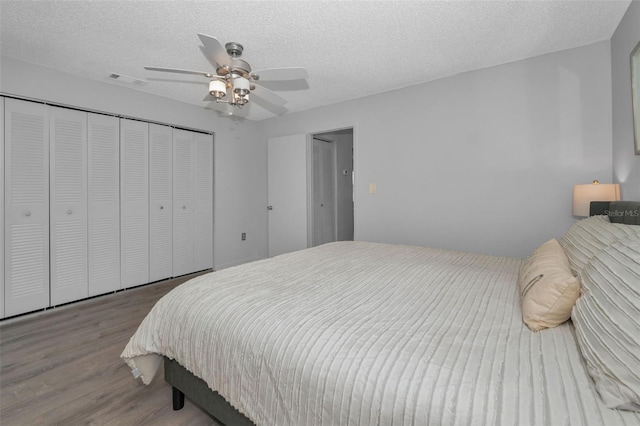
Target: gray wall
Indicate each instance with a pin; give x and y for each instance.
(483, 161)
(240, 156)
(626, 165)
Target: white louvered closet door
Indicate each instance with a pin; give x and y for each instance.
(104, 203)
(183, 208)
(2, 207)
(203, 200)
(68, 203)
(160, 202)
(26, 206)
(134, 202)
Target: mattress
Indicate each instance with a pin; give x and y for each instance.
(366, 333)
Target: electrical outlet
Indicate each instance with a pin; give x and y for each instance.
(244, 236)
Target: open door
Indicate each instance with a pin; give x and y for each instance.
(323, 172)
(287, 193)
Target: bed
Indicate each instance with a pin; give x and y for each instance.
(378, 334)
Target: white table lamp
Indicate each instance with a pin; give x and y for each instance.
(583, 195)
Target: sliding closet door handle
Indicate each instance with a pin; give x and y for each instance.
(269, 207)
(27, 214)
(161, 207)
(69, 211)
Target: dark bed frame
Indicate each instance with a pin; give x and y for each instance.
(211, 402)
(184, 383)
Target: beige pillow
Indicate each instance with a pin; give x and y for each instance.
(607, 323)
(589, 236)
(548, 289)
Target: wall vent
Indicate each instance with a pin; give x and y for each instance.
(127, 79)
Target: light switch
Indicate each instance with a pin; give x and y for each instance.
(372, 188)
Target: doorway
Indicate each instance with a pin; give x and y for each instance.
(331, 207)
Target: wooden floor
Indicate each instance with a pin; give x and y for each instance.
(63, 366)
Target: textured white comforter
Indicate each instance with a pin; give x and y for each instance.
(359, 333)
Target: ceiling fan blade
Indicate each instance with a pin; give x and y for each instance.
(227, 109)
(268, 96)
(278, 74)
(179, 71)
(218, 106)
(274, 109)
(215, 50)
(209, 57)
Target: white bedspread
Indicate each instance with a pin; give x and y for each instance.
(359, 333)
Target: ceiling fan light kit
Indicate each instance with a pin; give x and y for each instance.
(241, 86)
(217, 89)
(233, 78)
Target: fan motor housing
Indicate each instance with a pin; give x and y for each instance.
(238, 67)
(234, 49)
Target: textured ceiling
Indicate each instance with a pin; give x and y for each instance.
(350, 48)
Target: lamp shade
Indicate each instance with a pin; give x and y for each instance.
(241, 86)
(217, 88)
(583, 195)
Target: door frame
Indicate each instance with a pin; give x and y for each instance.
(310, 136)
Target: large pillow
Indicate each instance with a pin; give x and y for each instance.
(589, 236)
(607, 323)
(548, 289)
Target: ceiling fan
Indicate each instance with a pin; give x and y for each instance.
(233, 80)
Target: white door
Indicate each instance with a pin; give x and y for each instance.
(134, 202)
(68, 197)
(183, 208)
(287, 193)
(26, 233)
(104, 203)
(160, 202)
(203, 201)
(324, 194)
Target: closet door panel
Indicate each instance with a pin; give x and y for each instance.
(160, 202)
(183, 209)
(316, 172)
(203, 201)
(134, 198)
(26, 235)
(2, 208)
(104, 203)
(328, 193)
(68, 198)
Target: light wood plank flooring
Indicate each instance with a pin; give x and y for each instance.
(63, 366)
